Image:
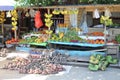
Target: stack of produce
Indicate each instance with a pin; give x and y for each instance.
(96, 34)
(53, 55)
(97, 41)
(100, 62)
(45, 63)
(69, 36)
(12, 41)
(35, 39)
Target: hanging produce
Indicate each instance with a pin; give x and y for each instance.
(96, 14)
(64, 12)
(56, 11)
(14, 19)
(107, 12)
(2, 17)
(38, 21)
(48, 21)
(106, 20)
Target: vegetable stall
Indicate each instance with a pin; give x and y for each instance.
(53, 35)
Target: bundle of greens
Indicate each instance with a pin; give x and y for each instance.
(100, 62)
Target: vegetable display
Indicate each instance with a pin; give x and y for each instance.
(69, 36)
(100, 62)
(44, 62)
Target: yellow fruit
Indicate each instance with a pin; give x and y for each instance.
(105, 18)
(64, 12)
(49, 24)
(61, 35)
(47, 20)
(13, 29)
(56, 12)
(14, 23)
(49, 31)
(76, 11)
(48, 15)
(71, 12)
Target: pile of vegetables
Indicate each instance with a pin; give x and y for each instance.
(43, 62)
(69, 36)
(100, 62)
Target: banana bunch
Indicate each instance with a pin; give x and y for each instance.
(57, 12)
(38, 40)
(48, 21)
(64, 12)
(49, 31)
(49, 24)
(73, 11)
(48, 15)
(106, 20)
(14, 19)
(2, 17)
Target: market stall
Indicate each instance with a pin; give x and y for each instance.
(60, 30)
(82, 38)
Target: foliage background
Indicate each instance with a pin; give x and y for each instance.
(63, 2)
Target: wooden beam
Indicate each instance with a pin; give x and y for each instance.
(89, 8)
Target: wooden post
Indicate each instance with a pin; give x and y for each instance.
(105, 33)
(48, 13)
(2, 28)
(2, 25)
(15, 34)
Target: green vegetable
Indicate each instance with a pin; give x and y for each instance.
(93, 67)
(94, 61)
(109, 59)
(114, 61)
(100, 62)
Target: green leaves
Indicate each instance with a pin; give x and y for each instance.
(59, 2)
(34, 2)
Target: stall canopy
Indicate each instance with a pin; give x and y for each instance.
(7, 5)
